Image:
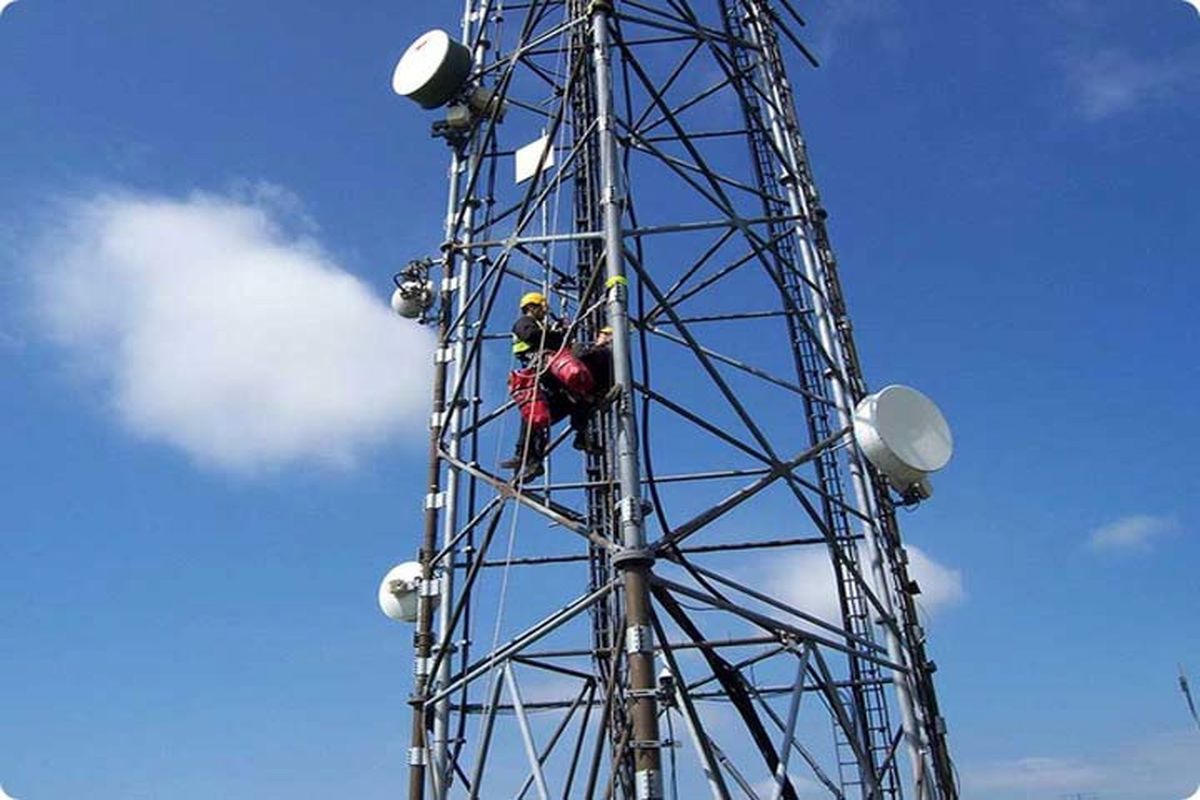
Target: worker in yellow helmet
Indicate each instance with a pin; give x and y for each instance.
(535, 332)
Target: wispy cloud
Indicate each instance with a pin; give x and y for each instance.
(1037, 774)
(835, 22)
(11, 341)
(220, 327)
(1113, 81)
(538, 686)
(1106, 76)
(1163, 766)
(1138, 532)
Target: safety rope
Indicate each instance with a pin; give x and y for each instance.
(549, 225)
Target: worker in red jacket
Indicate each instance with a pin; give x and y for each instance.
(536, 340)
(535, 332)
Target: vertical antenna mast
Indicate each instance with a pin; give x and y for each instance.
(690, 609)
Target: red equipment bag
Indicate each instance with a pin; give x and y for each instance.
(571, 372)
(530, 399)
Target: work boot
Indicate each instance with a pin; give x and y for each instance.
(532, 470)
(587, 444)
(511, 463)
(609, 397)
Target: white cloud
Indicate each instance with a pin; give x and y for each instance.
(941, 586)
(1112, 81)
(540, 686)
(1137, 532)
(1162, 766)
(1036, 774)
(806, 580)
(211, 325)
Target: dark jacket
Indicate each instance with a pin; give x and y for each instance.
(531, 336)
(599, 361)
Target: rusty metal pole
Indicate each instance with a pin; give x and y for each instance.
(634, 561)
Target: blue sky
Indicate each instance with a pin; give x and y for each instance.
(187, 580)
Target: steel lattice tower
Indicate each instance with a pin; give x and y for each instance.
(614, 628)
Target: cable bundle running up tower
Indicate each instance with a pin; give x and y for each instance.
(711, 597)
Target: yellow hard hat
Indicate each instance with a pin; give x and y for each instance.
(532, 299)
(606, 329)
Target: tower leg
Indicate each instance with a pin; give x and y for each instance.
(635, 562)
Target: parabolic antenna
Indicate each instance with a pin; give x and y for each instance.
(399, 590)
(903, 434)
(432, 70)
(410, 300)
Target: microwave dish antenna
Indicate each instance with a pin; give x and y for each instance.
(904, 435)
(433, 70)
(399, 592)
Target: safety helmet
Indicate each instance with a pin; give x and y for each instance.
(606, 329)
(532, 299)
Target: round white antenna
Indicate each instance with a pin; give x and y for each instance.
(432, 70)
(399, 590)
(904, 435)
(410, 300)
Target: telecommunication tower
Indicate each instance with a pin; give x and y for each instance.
(644, 620)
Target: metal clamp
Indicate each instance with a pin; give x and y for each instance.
(435, 500)
(417, 757)
(637, 639)
(648, 744)
(630, 508)
(649, 784)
